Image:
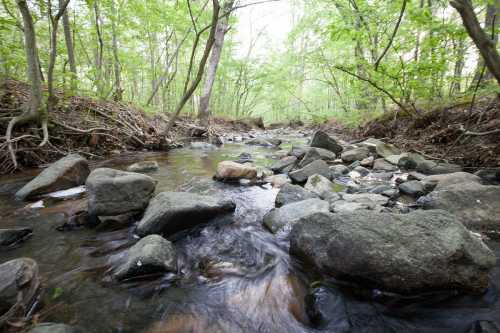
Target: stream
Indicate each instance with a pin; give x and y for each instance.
(235, 276)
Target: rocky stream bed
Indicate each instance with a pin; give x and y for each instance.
(274, 231)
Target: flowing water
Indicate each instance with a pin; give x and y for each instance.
(234, 275)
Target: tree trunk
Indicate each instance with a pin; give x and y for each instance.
(69, 47)
(221, 29)
(118, 94)
(459, 66)
(486, 46)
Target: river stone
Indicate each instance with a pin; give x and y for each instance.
(314, 154)
(278, 180)
(114, 192)
(231, 171)
(386, 149)
(404, 253)
(263, 142)
(441, 181)
(19, 287)
(475, 205)
(371, 144)
(356, 154)
(339, 170)
(320, 185)
(412, 188)
(410, 161)
(292, 193)
(432, 168)
(370, 199)
(68, 172)
(150, 255)
(144, 166)
(10, 237)
(317, 167)
(284, 217)
(298, 152)
(367, 162)
(383, 165)
(489, 174)
(55, 328)
(362, 171)
(393, 159)
(284, 165)
(322, 140)
(170, 212)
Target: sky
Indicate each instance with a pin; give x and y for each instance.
(272, 21)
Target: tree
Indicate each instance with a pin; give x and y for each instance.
(68, 37)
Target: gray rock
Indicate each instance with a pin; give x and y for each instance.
(317, 167)
(371, 144)
(320, 185)
(475, 205)
(114, 192)
(410, 161)
(339, 170)
(416, 176)
(292, 193)
(383, 165)
(342, 206)
(68, 172)
(385, 190)
(370, 199)
(367, 162)
(278, 180)
(298, 152)
(386, 176)
(150, 255)
(361, 170)
(393, 159)
(412, 188)
(14, 236)
(314, 154)
(19, 287)
(489, 175)
(356, 154)
(322, 140)
(264, 142)
(144, 166)
(432, 168)
(284, 164)
(441, 181)
(170, 212)
(283, 218)
(55, 328)
(387, 149)
(404, 253)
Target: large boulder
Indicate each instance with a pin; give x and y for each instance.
(475, 205)
(412, 188)
(232, 171)
(55, 328)
(314, 154)
(433, 168)
(19, 287)
(322, 140)
(386, 149)
(404, 253)
(68, 172)
(285, 217)
(170, 212)
(150, 255)
(278, 180)
(441, 181)
(320, 185)
(356, 154)
(14, 236)
(114, 192)
(292, 193)
(371, 144)
(284, 165)
(317, 167)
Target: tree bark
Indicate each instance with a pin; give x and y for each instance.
(118, 94)
(68, 37)
(213, 63)
(486, 46)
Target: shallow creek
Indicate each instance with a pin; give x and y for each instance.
(235, 276)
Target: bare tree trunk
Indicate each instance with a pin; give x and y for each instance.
(118, 94)
(69, 47)
(486, 46)
(459, 66)
(213, 63)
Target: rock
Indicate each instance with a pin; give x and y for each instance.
(170, 212)
(382, 164)
(144, 166)
(433, 168)
(317, 167)
(416, 176)
(298, 152)
(393, 159)
(367, 162)
(410, 161)
(371, 144)
(475, 205)
(202, 145)
(356, 154)
(292, 193)
(262, 142)
(284, 165)
(150, 255)
(412, 188)
(353, 202)
(362, 171)
(339, 170)
(231, 171)
(489, 175)
(404, 253)
(441, 181)
(354, 164)
(278, 180)
(386, 149)
(369, 199)
(314, 154)
(319, 185)
(322, 140)
(385, 176)
(68, 172)
(55, 328)
(19, 287)
(244, 158)
(280, 218)
(114, 192)
(10, 237)
(275, 142)
(385, 190)
(342, 206)
(263, 172)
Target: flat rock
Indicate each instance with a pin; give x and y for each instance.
(386, 149)
(292, 193)
(264, 142)
(317, 167)
(284, 165)
(314, 154)
(152, 254)
(144, 166)
(170, 212)
(412, 188)
(278, 180)
(367, 162)
(433, 168)
(409, 253)
(339, 170)
(9, 237)
(489, 174)
(114, 192)
(68, 172)
(441, 181)
(322, 140)
(371, 144)
(284, 217)
(356, 154)
(383, 165)
(320, 185)
(232, 171)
